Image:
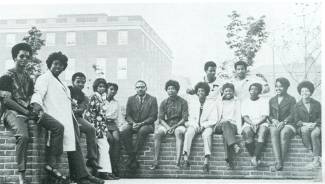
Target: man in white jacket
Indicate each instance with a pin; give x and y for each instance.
(203, 115)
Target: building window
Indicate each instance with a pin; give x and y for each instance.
(123, 37)
(122, 68)
(100, 67)
(10, 40)
(50, 39)
(102, 38)
(71, 68)
(9, 64)
(71, 38)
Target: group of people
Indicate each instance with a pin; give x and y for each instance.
(237, 106)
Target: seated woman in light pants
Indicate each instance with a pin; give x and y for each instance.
(173, 113)
(307, 115)
(203, 115)
(95, 114)
(255, 111)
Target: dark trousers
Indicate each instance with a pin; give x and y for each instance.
(228, 131)
(77, 165)
(280, 139)
(55, 148)
(90, 131)
(113, 138)
(311, 139)
(19, 126)
(248, 136)
(126, 135)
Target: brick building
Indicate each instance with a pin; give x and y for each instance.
(122, 49)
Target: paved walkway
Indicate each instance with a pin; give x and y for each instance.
(206, 181)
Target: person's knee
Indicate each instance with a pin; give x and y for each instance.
(159, 134)
(22, 139)
(179, 132)
(315, 133)
(207, 133)
(274, 130)
(285, 134)
(143, 131)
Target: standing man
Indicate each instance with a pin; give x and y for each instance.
(214, 83)
(80, 105)
(141, 113)
(16, 114)
(242, 80)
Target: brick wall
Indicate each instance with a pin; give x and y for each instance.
(294, 167)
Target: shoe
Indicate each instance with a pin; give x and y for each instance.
(93, 164)
(154, 165)
(94, 179)
(55, 173)
(205, 168)
(186, 164)
(254, 161)
(178, 165)
(105, 176)
(114, 176)
(83, 181)
(230, 165)
(276, 167)
(237, 149)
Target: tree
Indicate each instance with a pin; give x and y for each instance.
(245, 38)
(301, 43)
(33, 38)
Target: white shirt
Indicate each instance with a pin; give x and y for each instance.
(255, 110)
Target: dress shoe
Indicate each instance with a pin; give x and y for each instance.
(277, 167)
(93, 164)
(95, 180)
(105, 176)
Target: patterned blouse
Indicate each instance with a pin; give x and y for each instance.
(172, 110)
(95, 114)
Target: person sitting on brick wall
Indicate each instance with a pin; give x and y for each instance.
(141, 113)
(95, 114)
(113, 118)
(16, 91)
(307, 116)
(255, 111)
(80, 105)
(203, 115)
(230, 123)
(53, 98)
(173, 113)
(282, 127)
(214, 82)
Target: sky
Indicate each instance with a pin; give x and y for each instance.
(195, 32)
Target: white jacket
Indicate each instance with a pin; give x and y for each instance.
(55, 99)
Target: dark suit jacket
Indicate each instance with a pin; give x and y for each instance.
(314, 115)
(147, 112)
(284, 110)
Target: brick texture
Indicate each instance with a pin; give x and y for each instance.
(294, 167)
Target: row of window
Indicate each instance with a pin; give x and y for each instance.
(50, 38)
(100, 68)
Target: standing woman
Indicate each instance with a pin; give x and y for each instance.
(95, 114)
(282, 127)
(307, 115)
(53, 98)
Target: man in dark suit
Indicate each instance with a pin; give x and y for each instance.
(141, 113)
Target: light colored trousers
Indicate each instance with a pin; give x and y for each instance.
(104, 160)
(191, 132)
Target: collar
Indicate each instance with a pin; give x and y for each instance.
(143, 97)
(206, 80)
(101, 96)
